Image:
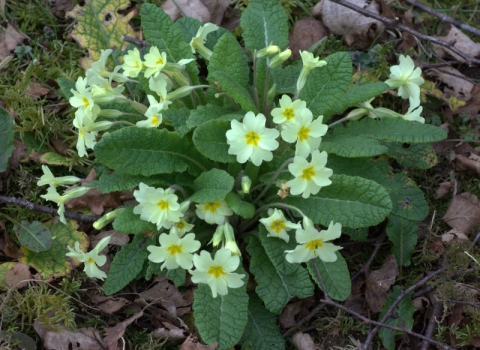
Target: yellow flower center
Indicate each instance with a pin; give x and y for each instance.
(314, 244)
(82, 134)
(154, 120)
(85, 102)
(212, 206)
(181, 224)
(159, 61)
(303, 133)
(288, 113)
(90, 261)
(308, 173)
(278, 225)
(216, 271)
(163, 204)
(252, 138)
(174, 249)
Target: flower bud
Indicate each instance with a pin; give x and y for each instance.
(246, 184)
(268, 51)
(217, 236)
(230, 242)
(280, 58)
(107, 218)
(307, 222)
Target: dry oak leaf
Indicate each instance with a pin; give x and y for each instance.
(463, 213)
(379, 282)
(169, 331)
(463, 163)
(100, 26)
(108, 304)
(354, 27)
(462, 42)
(67, 339)
(443, 189)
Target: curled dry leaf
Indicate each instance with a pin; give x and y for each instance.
(463, 163)
(462, 42)
(379, 282)
(108, 304)
(303, 341)
(36, 90)
(463, 214)
(305, 33)
(169, 331)
(354, 27)
(443, 189)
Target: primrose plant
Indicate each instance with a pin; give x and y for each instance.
(237, 166)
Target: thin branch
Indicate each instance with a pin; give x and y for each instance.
(443, 17)
(477, 237)
(380, 324)
(135, 41)
(394, 23)
(366, 267)
(432, 323)
(47, 210)
(391, 309)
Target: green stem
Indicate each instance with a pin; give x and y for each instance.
(265, 91)
(338, 122)
(179, 188)
(255, 82)
(272, 180)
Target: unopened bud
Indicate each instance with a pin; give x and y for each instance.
(280, 58)
(107, 218)
(307, 222)
(246, 184)
(268, 51)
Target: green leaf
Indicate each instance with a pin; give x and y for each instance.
(393, 129)
(128, 222)
(402, 318)
(177, 276)
(189, 26)
(350, 200)
(229, 57)
(53, 262)
(221, 319)
(179, 118)
(335, 276)
(346, 145)
(325, 86)
(140, 151)
(6, 139)
(285, 79)
(210, 138)
(202, 114)
(34, 236)
(162, 32)
(234, 89)
(359, 94)
(274, 287)
(403, 234)
(120, 182)
(356, 234)
(211, 186)
(275, 249)
(65, 86)
(262, 330)
(419, 156)
(408, 200)
(244, 209)
(127, 264)
(264, 22)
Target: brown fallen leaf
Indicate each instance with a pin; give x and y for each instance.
(16, 277)
(191, 343)
(217, 9)
(10, 249)
(462, 42)
(379, 282)
(305, 33)
(303, 341)
(463, 163)
(463, 213)
(116, 238)
(169, 331)
(355, 28)
(115, 333)
(443, 189)
(460, 87)
(67, 339)
(190, 8)
(10, 38)
(36, 90)
(108, 304)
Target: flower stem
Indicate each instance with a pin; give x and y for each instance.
(272, 180)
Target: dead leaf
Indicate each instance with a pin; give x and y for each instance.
(10, 249)
(21, 340)
(108, 304)
(354, 27)
(463, 214)
(462, 42)
(217, 9)
(67, 339)
(115, 333)
(60, 7)
(116, 238)
(36, 90)
(10, 38)
(305, 33)
(191, 343)
(303, 341)
(16, 277)
(463, 163)
(457, 82)
(443, 189)
(231, 19)
(450, 235)
(190, 8)
(169, 331)
(379, 282)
